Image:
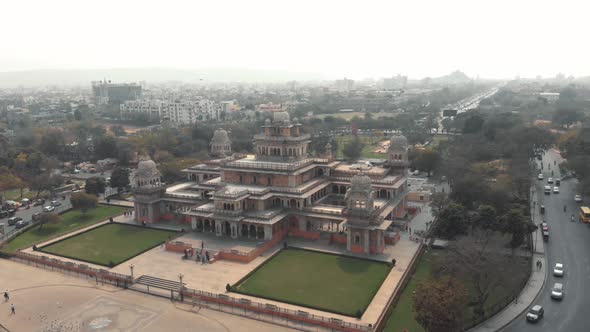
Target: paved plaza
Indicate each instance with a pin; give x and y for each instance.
(53, 301)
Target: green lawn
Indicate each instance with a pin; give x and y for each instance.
(108, 243)
(323, 281)
(70, 221)
(402, 316)
(371, 143)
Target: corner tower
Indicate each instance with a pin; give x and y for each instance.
(281, 140)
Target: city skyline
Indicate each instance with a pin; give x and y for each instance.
(327, 40)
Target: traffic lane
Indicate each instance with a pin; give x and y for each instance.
(568, 244)
(27, 214)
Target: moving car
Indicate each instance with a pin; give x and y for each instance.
(540, 177)
(36, 216)
(55, 203)
(558, 270)
(3, 213)
(550, 180)
(48, 208)
(545, 226)
(557, 291)
(547, 190)
(12, 221)
(584, 214)
(21, 224)
(535, 313)
(556, 190)
(578, 198)
(557, 182)
(39, 202)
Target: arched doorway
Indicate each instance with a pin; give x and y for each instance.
(252, 231)
(334, 189)
(260, 232)
(342, 190)
(244, 230)
(207, 225)
(227, 228)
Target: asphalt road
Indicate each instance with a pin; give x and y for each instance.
(569, 243)
(26, 214)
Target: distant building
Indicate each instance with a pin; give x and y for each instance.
(179, 111)
(344, 85)
(270, 107)
(395, 83)
(107, 93)
(549, 96)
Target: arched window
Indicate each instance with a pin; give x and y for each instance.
(357, 238)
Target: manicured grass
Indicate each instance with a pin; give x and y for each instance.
(327, 282)
(70, 221)
(371, 144)
(111, 243)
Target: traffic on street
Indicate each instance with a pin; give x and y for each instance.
(565, 296)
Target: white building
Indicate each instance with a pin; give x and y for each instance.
(344, 85)
(179, 111)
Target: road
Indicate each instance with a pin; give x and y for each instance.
(467, 104)
(569, 244)
(26, 214)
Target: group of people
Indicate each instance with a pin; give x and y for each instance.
(6, 299)
(128, 213)
(200, 257)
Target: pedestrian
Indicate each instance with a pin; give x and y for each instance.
(410, 230)
(540, 265)
(12, 311)
(6, 296)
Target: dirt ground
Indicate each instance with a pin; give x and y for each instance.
(53, 301)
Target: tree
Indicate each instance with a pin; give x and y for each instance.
(39, 183)
(479, 257)
(473, 124)
(566, 116)
(439, 304)
(105, 147)
(8, 180)
(95, 185)
(486, 219)
(516, 224)
(118, 130)
(427, 160)
(120, 178)
(352, 150)
(452, 221)
(83, 201)
(438, 201)
(49, 218)
(469, 190)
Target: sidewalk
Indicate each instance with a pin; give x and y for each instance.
(530, 291)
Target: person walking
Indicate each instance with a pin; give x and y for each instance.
(12, 309)
(6, 296)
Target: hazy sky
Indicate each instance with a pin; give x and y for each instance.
(356, 39)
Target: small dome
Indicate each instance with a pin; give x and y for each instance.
(295, 120)
(146, 168)
(360, 182)
(398, 142)
(220, 137)
(267, 122)
(281, 117)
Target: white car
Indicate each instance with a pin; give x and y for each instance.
(48, 208)
(540, 177)
(556, 190)
(557, 291)
(550, 180)
(578, 198)
(558, 270)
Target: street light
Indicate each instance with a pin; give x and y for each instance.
(131, 268)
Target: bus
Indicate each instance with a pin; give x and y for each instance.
(585, 214)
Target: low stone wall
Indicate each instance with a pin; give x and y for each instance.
(304, 234)
(177, 246)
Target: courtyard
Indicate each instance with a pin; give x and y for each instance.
(328, 282)
(109, 244)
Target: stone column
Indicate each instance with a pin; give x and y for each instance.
(348, 239)
(367, 248)
(268, 232)
(194, 223)
(150, 213)
(302, 225)
(234, 230)
(218, 231)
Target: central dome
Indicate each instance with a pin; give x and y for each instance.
(280, 117)
(360, 182)
(146, 168)
(398, 142)
(220, 137)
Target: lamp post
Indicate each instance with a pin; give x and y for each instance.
(180, 276)
(131, 268)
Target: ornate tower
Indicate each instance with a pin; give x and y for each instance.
(220, 144)
(398, 152)
(148, 192)
(281, 140)
(365, 228)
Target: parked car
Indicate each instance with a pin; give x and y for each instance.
(578, 198)
(55, 203)
(535, 313)
(25, 202)
(558, 270)
(48, 208)
(11, 212)
(545, 226)
(540, 177)
(36, 216)
(39, 202)
(546, 235)
(3, 213)
(550, 180)
(556, 190)
(557, 291)
(12, 221)
(557, 182)
(21, 224)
